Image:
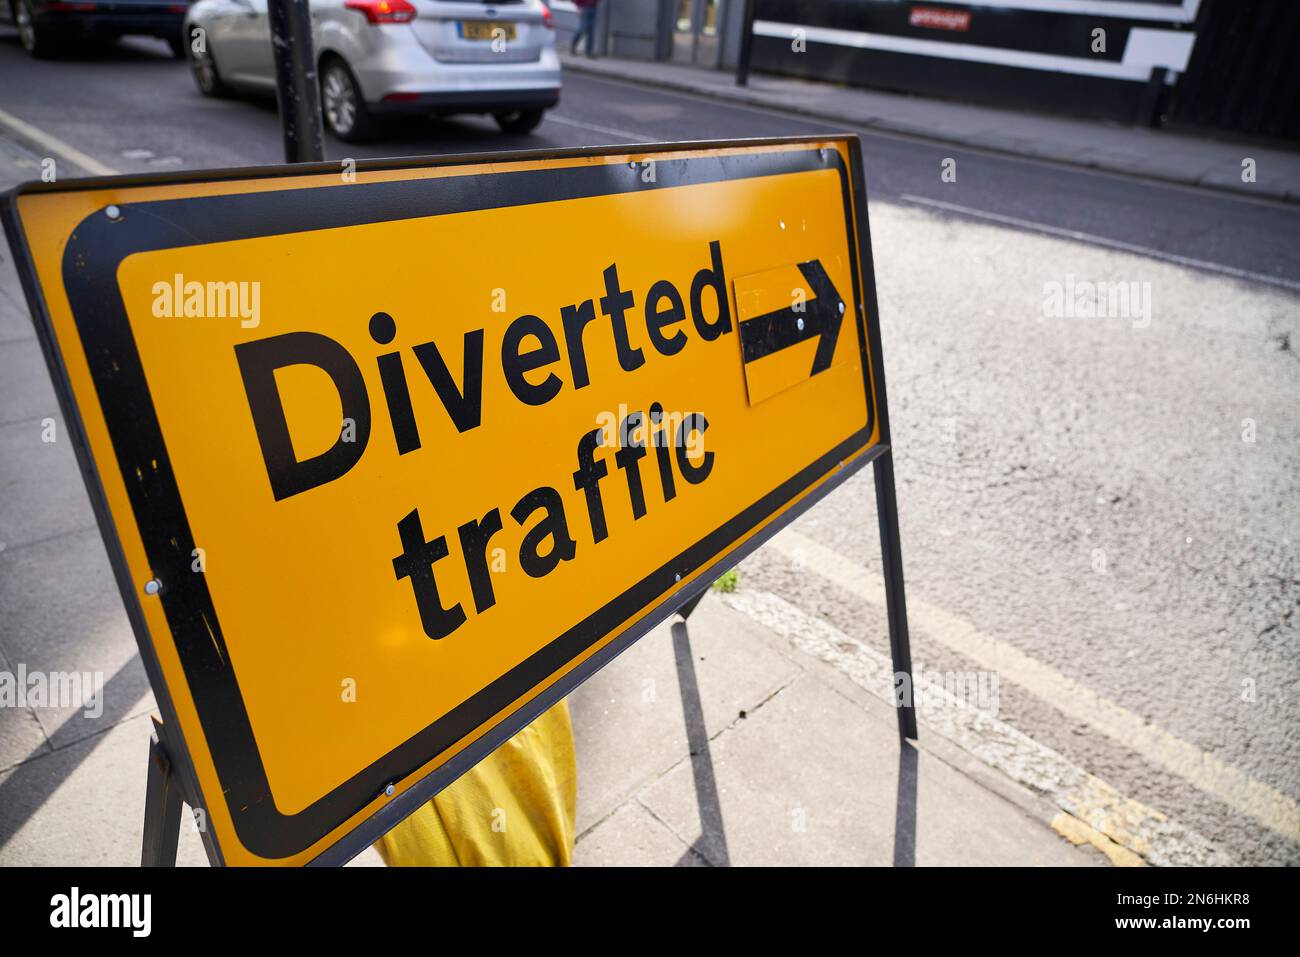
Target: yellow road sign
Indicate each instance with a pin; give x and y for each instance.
(390, 458)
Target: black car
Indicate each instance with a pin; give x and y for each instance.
(44, 26)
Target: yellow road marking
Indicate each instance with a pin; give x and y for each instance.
(1210, 774)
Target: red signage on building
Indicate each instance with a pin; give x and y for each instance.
(938, 19)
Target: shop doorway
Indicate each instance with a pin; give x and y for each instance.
(695, 32)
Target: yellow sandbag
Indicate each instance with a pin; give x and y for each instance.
(516, 807)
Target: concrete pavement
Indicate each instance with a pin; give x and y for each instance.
(1152, 154)
(781, 760)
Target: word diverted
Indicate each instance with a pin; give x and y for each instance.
(653, 452)
(530, 352)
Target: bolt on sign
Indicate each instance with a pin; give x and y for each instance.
(387, 466)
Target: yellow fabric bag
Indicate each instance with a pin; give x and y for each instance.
(516, 807)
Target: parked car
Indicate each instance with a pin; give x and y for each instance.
(46, 26)
(376, 58)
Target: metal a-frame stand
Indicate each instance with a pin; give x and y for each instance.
(713, 840)
(891, 554)
(163, 798)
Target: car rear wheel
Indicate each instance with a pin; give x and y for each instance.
(37, 40)
(344, 110)
(519, 121)
(206, 77)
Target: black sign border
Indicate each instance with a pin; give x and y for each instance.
(159, 513)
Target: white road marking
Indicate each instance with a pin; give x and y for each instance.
(1145, 831)
(1103, 241)
(626, 135)
(1208, 773)
(55, 145)
(1123, 69)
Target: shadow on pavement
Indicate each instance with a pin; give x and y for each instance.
(905, 807)
(34, 781)
(712, 843)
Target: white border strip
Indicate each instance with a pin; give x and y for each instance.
(1186, 13)
(956, 51)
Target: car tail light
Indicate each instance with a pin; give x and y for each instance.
(383, 11)
(546, 18)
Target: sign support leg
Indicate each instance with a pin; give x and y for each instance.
(686, 609)
(746, 43)
(892, 558)
(162, 806)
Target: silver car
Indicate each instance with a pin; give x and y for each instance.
(379, 57)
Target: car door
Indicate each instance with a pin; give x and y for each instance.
(245, 55)
(217, 20)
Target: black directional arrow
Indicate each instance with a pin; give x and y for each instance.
(821, 316)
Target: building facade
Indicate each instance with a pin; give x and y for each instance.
(1229, 66)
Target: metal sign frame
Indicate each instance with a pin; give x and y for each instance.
(805, 490)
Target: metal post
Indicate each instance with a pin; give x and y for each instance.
(1152, 98)
(295, 81)
(162, 806)
(891, 554)
(605, 22)
(746, 43)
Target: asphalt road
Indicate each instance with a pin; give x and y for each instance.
(1027, 447)
(159, 120)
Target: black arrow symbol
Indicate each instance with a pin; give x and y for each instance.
(821, 316)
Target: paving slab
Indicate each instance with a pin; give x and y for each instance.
(632, 836)
(26, 392)
(21, 736)
(15, 322)
(84, 804)
(63, 614)
(808, 780)
(40, 485)
(628, 719)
